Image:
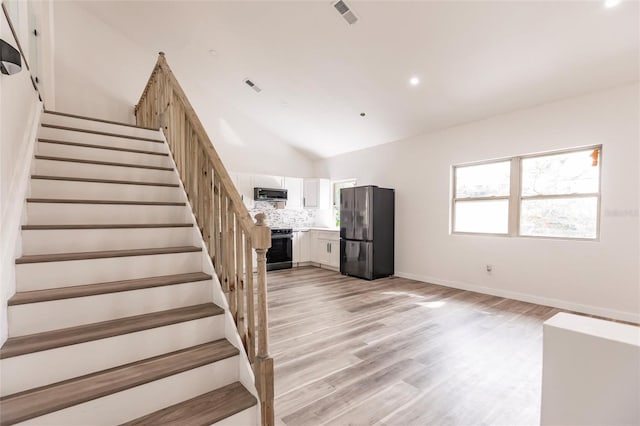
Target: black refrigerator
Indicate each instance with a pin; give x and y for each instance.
(366, 231)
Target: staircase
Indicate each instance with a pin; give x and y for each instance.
(119, 315)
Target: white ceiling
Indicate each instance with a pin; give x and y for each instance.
(475, 59)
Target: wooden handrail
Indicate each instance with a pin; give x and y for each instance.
(227, 228)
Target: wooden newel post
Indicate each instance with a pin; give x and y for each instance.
(261, 239)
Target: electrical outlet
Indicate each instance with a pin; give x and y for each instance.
(489, 268)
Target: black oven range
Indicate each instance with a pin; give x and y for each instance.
(280, 255)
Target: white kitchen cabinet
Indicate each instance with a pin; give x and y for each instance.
(316, 193)
(266, 181)
(244, 185)
(294, 192)
(301, 246)
(326, 248)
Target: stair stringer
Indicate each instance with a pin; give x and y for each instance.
(245, 372)
(15, 215)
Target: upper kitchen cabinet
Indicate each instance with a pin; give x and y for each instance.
(294, 192)
(316, 194)
(266, 181)
(244, 184)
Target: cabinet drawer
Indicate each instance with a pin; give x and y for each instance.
(328, 235)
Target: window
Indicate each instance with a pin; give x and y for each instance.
(546, 195)
(337, 186)
(482, 198)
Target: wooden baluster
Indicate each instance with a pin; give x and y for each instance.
(156, 99)
(261, 238)
(223, 240)
(203, 195)
(251, 319)
(208, 207)
(231, 263)
(240, 284)
(216, 227)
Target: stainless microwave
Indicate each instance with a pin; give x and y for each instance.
(269, 194)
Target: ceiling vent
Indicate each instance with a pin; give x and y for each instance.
(346, 12)
(252, 85)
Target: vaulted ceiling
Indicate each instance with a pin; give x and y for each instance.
(318, 74)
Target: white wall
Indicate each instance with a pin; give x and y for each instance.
(101, 73)
(596, 277)
(19, 112)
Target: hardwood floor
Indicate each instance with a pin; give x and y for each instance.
(400, 352)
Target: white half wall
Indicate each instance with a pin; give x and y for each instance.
(590, 372)
(101, 73)
(19, 117)
(598, 277)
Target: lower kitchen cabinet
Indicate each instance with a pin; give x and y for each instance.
(301, 246)
(326, 248)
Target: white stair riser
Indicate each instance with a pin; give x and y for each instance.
(79, 240)
(84, 153)
(34, 318)
(132, 403)
(97, 171)
(243, 418)
(94, 139)
(43, 188)
(40, 276)
(93, 214)
(35, 369)
(80, 123)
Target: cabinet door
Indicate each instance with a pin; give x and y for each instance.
(317, 193)
(296, 246)
(320, 251)
(304, 243)
(310, 193)
(334, 254)
(244, 183)
(294, 192)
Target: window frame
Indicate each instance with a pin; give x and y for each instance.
(335, 209)
(333, 189)
(515, 196)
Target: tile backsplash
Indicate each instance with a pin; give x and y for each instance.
(284, 218)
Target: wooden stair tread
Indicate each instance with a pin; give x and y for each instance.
(100, 120)
(98, 132)
(101, 163)
(205, 409)
(60, 293)
(37, 402)
(110, 148)
(72, 201)
(92, 180)
(62, 257)
(37, 342)
(108, 226)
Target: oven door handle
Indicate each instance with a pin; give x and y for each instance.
(282, 237)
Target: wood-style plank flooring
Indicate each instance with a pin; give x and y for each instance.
(401, 352)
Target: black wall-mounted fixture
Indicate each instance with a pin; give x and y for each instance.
(10, 61)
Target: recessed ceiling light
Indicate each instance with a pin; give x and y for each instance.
(414, 81)
(362, 114)
(611, 3)
(213, 52)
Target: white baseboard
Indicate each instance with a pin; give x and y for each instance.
(530, 298)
